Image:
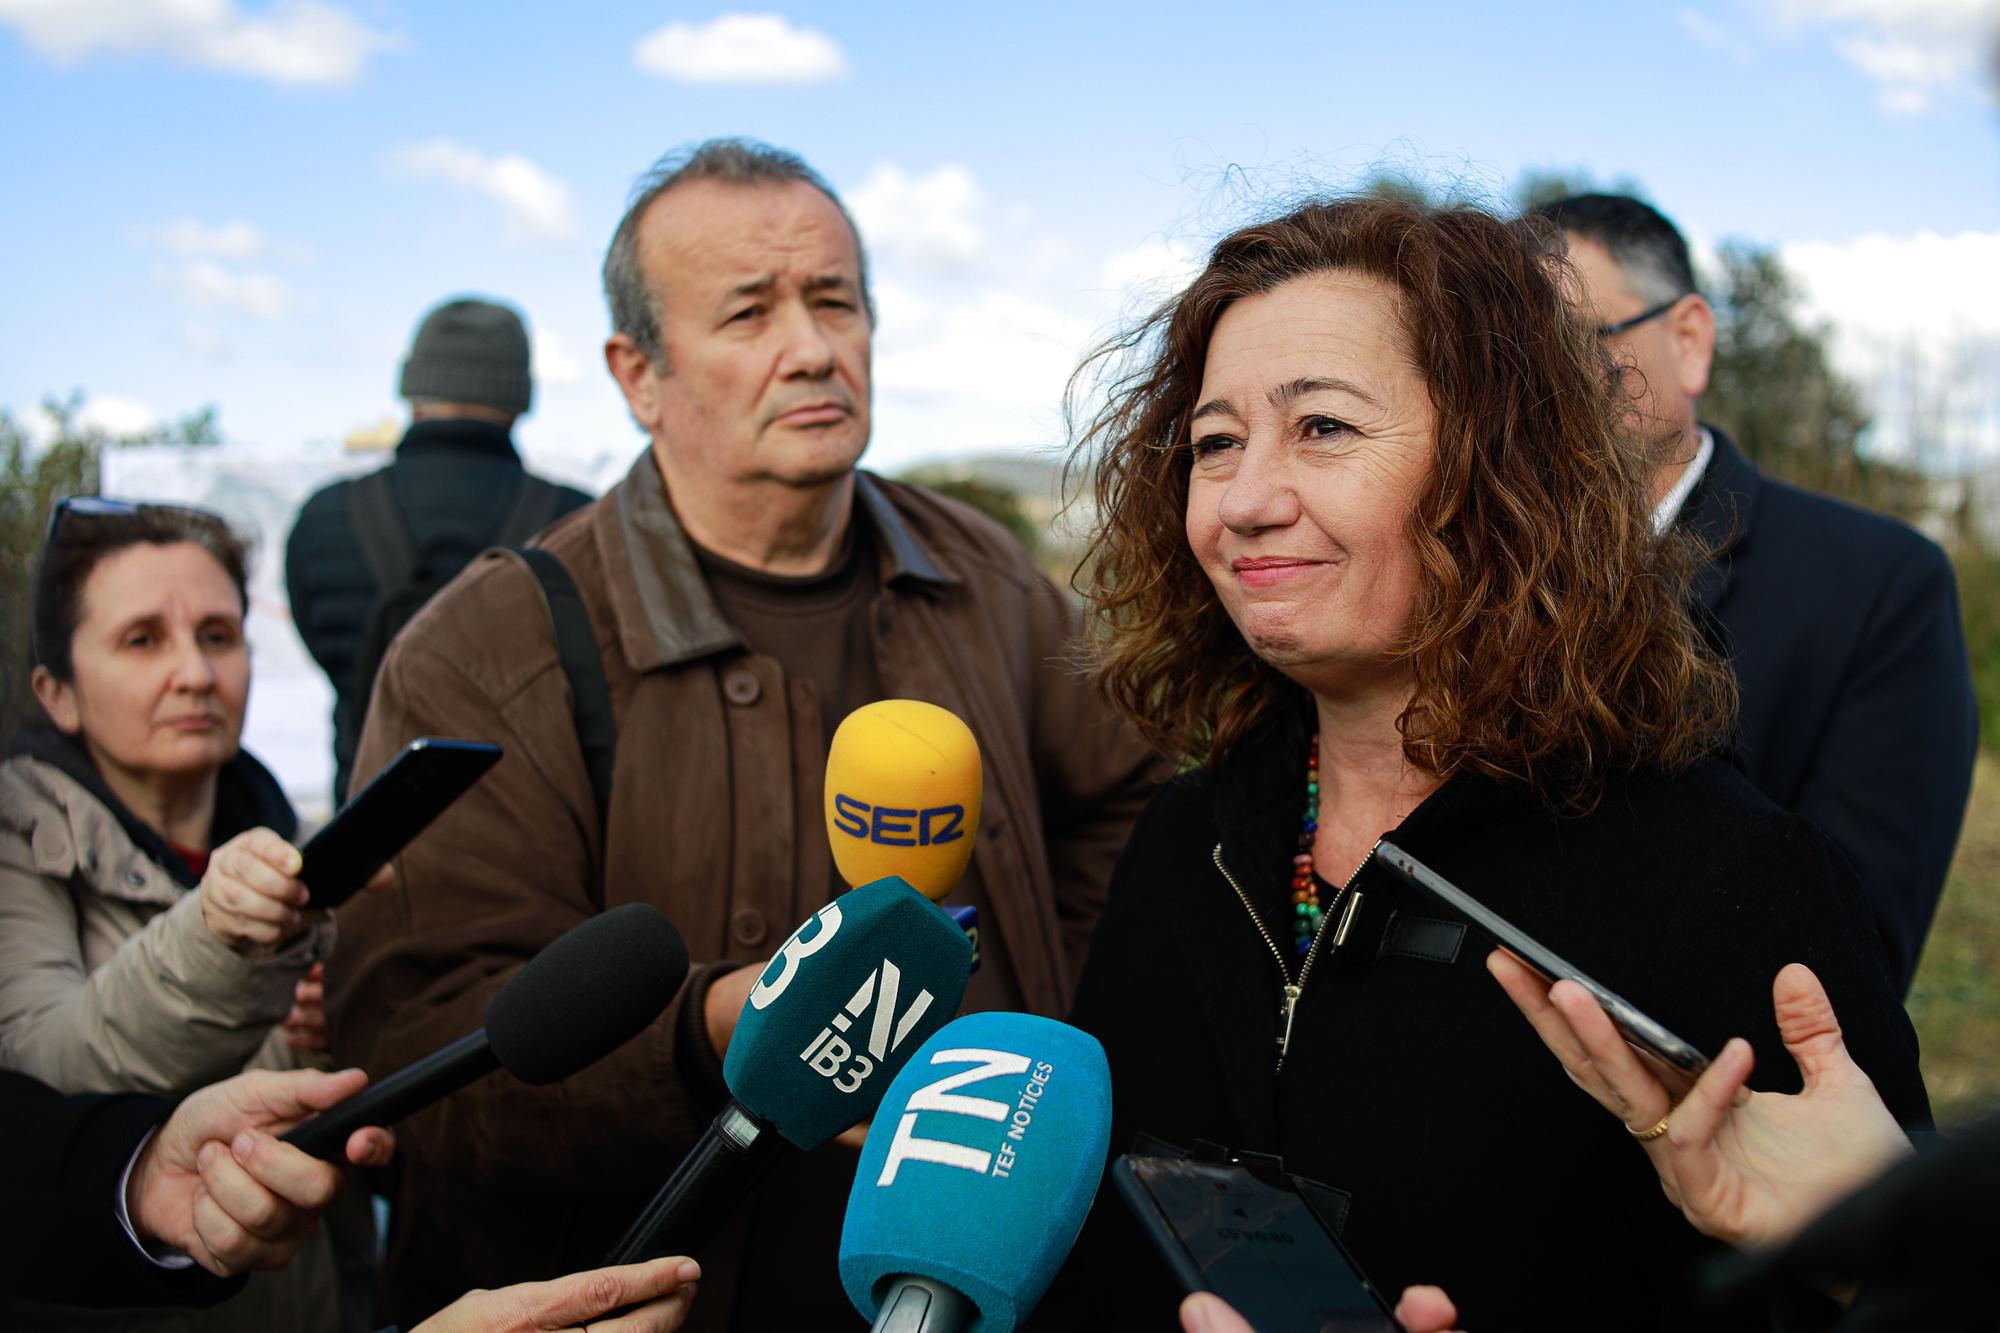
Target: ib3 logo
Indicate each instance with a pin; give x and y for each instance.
(832, 1054)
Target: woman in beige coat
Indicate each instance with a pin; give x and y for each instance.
(152, 935)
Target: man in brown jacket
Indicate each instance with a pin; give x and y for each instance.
(747, 588)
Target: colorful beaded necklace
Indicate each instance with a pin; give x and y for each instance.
(1305, 889)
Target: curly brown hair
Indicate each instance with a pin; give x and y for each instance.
(1551, 640)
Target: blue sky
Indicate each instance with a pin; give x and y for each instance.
(250, 204)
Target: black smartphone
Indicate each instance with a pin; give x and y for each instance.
(1638, 1028)
(1244, 1232)
(397, 804)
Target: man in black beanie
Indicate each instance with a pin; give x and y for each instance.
(365, 554)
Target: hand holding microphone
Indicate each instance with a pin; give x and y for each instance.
(902, 811)
(829, 1021)
(589, 992)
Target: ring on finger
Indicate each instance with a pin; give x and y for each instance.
(1648, 1135)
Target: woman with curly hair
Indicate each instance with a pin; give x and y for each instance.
(1376, 556)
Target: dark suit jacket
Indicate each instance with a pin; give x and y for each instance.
(1857, 703)
(60, 1240)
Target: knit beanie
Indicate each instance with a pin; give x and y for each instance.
(469, 351)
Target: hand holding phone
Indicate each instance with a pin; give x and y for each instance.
(1246, 1233)
(387, 814)
(1683, 1062)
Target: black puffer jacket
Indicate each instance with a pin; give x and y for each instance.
(455, 481)
(1411, 1084)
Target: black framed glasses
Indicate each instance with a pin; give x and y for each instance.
(1608, 330)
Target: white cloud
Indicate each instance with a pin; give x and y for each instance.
(204, 340)
(192, 238)
(1917, 323)
(932, 222)
(1152, 270)
(982, 362)
(536, 203)
(740, 48)
(1707, 32)
(291, 42)
(1912, 50)
(116, 415)
(1898, 285)
(553, 363)
(204, 282)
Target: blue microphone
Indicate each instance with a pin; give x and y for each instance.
(977, 1175)
(834, 1015)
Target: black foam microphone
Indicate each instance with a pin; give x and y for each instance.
(587, 993)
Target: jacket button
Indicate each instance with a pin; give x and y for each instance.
(50, 845)
(746, 924)
(740, 687)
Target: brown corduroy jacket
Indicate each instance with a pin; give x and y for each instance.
(716, 818)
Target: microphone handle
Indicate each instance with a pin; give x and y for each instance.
(923, 1305)
(404, 1092)
(723, 1166)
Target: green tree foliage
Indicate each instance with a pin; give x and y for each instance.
(1978, 573)
(993, 500)
(1773, 388)
(32, 479)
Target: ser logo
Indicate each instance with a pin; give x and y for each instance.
(831, 1056)
(895, 825)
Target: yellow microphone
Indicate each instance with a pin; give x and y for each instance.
(902, 795)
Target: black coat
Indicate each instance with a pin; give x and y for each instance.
(1857, 706)
(1412, 1084)
(60, 1239)
(455, 481)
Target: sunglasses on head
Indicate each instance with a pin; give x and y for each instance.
(103, 506)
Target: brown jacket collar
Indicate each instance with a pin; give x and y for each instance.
(666, 614)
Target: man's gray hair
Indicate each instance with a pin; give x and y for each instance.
(729, 162)
(1647, 248)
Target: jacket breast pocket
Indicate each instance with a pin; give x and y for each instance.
(1427, 938)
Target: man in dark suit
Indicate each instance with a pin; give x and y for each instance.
(1843, 627)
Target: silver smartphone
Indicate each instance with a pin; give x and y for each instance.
(1634, 1024)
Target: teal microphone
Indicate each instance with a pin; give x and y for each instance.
(834, 1015)
(978, 1172)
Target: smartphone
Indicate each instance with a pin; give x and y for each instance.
(397, 804)
(1638, 1029)
(1244, 1232)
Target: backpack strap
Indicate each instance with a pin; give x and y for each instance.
(537, 504)
(576, 647)
(377, 520)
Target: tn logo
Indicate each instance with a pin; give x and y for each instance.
(829, 1054)
(942, 1096)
